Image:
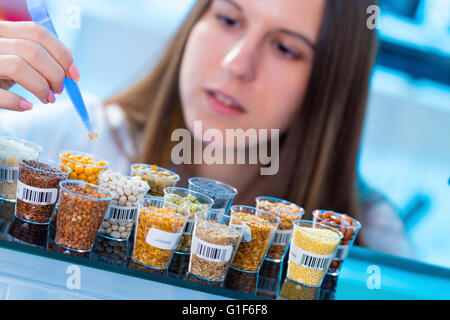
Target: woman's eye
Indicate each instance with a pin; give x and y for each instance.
(228, 22)
(285, 51)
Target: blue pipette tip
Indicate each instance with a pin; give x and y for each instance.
(92, 133)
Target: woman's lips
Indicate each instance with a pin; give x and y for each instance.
(224, 104)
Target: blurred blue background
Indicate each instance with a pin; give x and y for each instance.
(405, 152)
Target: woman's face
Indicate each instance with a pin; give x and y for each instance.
(247, 63)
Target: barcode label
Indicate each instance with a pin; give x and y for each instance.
(247, 232)
(121, 214)
(162, 239)
(36, 196)
(9, 174)
(268, 286)
(309, 260)
(189, 227)
(341, 252)
(211, 252)
(282, 237)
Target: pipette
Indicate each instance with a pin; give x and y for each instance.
(39, 14)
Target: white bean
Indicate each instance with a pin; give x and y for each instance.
(115, 234)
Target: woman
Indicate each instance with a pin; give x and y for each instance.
(302, 67)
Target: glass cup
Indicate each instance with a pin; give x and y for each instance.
(122, 212)
(214, 245)
(222, 194)
(85, 167)
(288, 213)
(259, 228)
(38, 189)
(196, 202)
(15, 149)
(312, 249)
(158, 178)
(81, 209)
(348, 226)
(158, 230)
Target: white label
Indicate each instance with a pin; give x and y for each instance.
(36, 196)
(282, 237)
(211, 252)
(309, 260)
(121, 214)
(268, 286)
(247, 237)
(341, 252)
(162, 239)
(189, 227)
(9, 174)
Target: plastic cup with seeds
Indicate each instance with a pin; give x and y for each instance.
(259, 228)
(158, 230)
(38, 189)
(122, 211)
(16, 149)
(222, 193)
(196, 202)
(348, 226)
(214, 245)
(85, 167)
(82, 207)
(288, 212)
(312, 249)
(158, 178)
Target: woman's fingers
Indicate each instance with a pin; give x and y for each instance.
(11, 101)
(34, 32)
(38, 58)
(17, 69)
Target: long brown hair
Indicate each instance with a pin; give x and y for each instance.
(318, 157)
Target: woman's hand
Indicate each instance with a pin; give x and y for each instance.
(34, 58)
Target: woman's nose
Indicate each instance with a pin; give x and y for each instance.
(241, 60)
